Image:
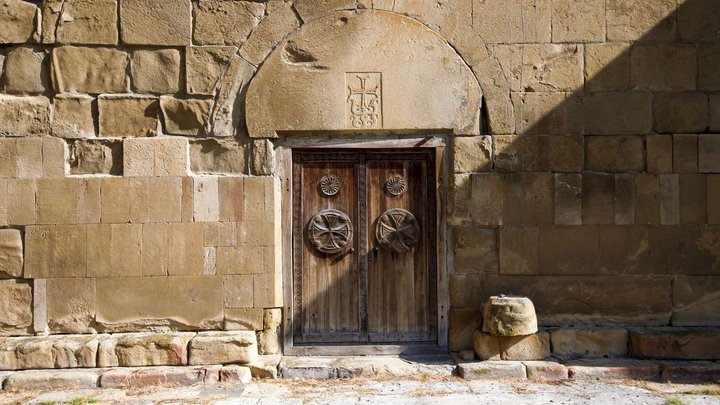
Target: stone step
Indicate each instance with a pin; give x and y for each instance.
(328, 367)
(676, 343)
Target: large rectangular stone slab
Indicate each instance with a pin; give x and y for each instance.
(16, 297)
(599, 370)
(75, 69)
(676, 343)
(589, 343)
(50, 380)
(144, 349)
(493, 370)
(129, 303)
(696, 302)
(223, 348)
(134, 378)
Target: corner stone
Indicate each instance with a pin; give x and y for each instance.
(223, 348)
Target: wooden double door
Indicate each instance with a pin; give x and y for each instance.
(364, 247)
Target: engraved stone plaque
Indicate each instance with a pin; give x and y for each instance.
(363, 108)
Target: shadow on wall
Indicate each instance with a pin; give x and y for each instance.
(604, 201)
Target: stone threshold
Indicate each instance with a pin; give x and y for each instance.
(383, 367)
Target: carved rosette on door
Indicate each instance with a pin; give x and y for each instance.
(397, 231)
(330, 231)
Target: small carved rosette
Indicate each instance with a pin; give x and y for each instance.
(330, 231)
(397, 231)
(396, 185)
(329, 185)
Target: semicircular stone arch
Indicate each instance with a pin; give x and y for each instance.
(368, 70)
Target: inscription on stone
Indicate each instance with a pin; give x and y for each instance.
(364, 100)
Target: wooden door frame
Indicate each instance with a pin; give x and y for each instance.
(438, 143)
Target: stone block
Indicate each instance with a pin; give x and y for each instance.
(144, 22)
(488, 193)
(607, 67)
(540, 113)
(55, 251)
(138, 378)
(11, 253)
(236, 374)
(507, 153)
(680, 113)
(231, 194)
(219, 234)
(695, 302)
(552, 68)
(644, 20)
(243, 318)
(259, 198)
(35, 353)
(509, 316)
(185, 249)
(709, 153)
(523, 21)
(16, 301)
(170, 156)
(26, 71)
(185, 116)
(265, 366)
(144, 349)
(75, 70)
(715, 113)
(72, 116)
(493, 370)
(21, 202)
(552, 153)
(56, 201)
(263, 157)
(578, 21)
(659, 150)
(647, 199)
(24, 116)
(472, 154)
(669, 199)
(220, 22)
(589, 343)
(96, 157)
(675, 343)
(19, 21)
(530, 347)
(598, 198)
(8, 355)
(690, 371)
(228, 115)
(206, 66)
(615, 153)
(692, 201)
(156, 71)
(685, 153)
(463, 323)
(239, 347)
(114, 250)
(80, 22)
(205, 199)
(8, 158)
(599, 370)
(238, 290)
(708, 61)
(698, 21)
(29, 157)
(279, 20)
(55, 156)
(475, 250)
(519, 250)
(545, 371)
(713, 195)
(664, 68)
(71, 305)
(75, 351)
(624, 199)
(128, 115)
(52, 380)
(218, 157)
(613, 113)
(130, 303)
(568, 199)
(267, 290)
(115, 200)
(530, 199)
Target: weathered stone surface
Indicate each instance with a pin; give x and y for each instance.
(218, 157)
(552, 68)
(269, 338)
(128, 115)
(698, 21)
(607, 67)
(75, 351)
(545, 371)
(34, 353)
(472, 154)
(279, 20)
(690, 371)
(487, 198)
(276, 97)
(708, 60)
(165, 156)
(659, 149)
(265, 366)
(713, 194)
(552, 153)
(244, 319)
(72, 116)
(509, 316)
(155, 71)
(320, 368)
(236, 374)
(96, 157)
(519, 252)
(645, 20)
(135, 378)
(145, 22)
(568, 199)
(219, 22)
(578, 21)
(530, 347)
(675, 343)
(696, 302)
(709, 153)
(206, 66)
(463, 323)
(263, 157)
(475, 249)
(144, 349)
(664, 68)
(192, 302)
(598, 370)
(227, 116)
(11, 253)
(19, 21)
(589, 343)
(80, 22)
(25, 71)
(493, 370)
(610, 113)
(71, 305)
(89, 70)
(684, 113)
(615, 153)
(223, 348)
(56, 201)
(16, 318)
(52, 380)
(540, 112)
(522, 21)
(24, 116)
(185, 116)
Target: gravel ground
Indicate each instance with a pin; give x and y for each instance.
(389, 391)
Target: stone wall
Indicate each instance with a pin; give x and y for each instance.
(132, 197)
